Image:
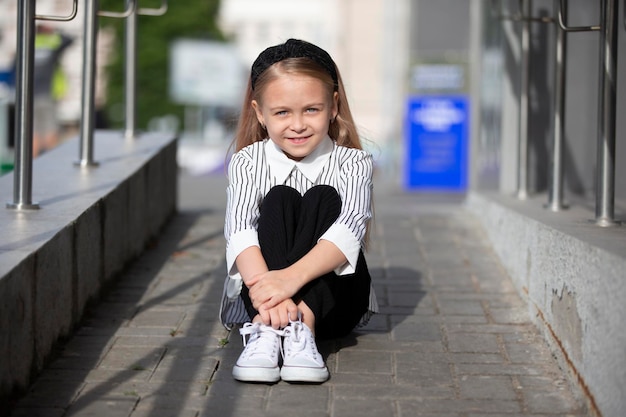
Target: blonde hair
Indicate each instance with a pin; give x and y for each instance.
(249, 130)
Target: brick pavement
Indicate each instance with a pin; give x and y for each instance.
(453, 337)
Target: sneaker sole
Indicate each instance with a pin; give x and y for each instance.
(256, 374)
(303, 374)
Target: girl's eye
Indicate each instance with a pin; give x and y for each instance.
(281, 113)
(312, 110)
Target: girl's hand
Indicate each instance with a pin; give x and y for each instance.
(271, 288)
(279, 315)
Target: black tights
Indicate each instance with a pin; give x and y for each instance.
(289, 226)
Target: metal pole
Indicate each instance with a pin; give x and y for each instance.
(522, 168)
(89, 84)
(555, 193)
(131, 73)
(605, 192)
(23, 181)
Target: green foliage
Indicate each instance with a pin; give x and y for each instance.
(184, 19)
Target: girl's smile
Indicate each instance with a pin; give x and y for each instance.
(296, 111)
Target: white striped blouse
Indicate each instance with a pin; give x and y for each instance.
(254, 170)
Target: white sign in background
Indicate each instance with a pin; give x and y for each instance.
(448, 77)
(438, 115)
(205, 73)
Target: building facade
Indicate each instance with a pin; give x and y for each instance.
(547, 166)
(368, 39)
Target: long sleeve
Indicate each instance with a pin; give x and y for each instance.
(354, 171)
(242, 209)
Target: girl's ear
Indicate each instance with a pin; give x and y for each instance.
(335, 110)
(257, 110)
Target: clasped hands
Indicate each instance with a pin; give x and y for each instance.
(271, 294)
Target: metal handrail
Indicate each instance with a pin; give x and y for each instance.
(23, 171)
(605, 189)
(87, 120)
(155, 12)
(86, 151)
(563, 24)
(606, 123)
(524, 15)
(130, 53)
(131, 8)
(555, 189)
(67, 18)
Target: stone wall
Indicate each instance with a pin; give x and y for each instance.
(91, 223)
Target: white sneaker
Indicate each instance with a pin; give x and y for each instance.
(259, 360)
(302, 361)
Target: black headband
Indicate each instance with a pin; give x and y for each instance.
(293, 48)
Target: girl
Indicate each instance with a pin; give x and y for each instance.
(299, 204)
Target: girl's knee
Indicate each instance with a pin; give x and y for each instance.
(282, 190)
(281, 195)
(322, 189)
(321, 194)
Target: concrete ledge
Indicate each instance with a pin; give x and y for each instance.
(91, 223)
(573, 275)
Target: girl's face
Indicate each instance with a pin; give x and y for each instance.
(296, 110)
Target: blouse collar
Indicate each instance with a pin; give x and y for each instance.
(310, 166)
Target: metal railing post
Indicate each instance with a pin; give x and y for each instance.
(522, 161)
(23, 181)
(130, 77)
(605, 185)
(555, 191)
(605, 192)
(90, 42)
(87, 123)
(25, 57)
(524, 15)
(130, 53)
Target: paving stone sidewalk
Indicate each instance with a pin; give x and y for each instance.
(453, 338)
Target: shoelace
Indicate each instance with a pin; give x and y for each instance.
(297, 343)
(265, 336)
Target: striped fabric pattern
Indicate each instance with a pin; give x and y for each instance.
(347, 170)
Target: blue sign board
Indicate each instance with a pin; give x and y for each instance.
(437, 143)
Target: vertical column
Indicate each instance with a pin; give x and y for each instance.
(22, 191)
(605, 189)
